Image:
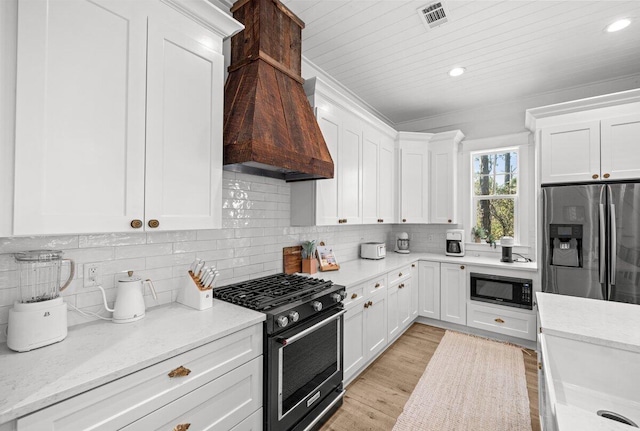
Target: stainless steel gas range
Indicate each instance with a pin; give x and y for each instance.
(303, 346)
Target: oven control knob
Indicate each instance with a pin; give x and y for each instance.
(336, 297)
(317, 305)
(282, 321)
(293, 316)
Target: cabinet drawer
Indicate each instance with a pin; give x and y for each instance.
(217, 406)
(376, 285)
(355, 296)
(509, 322)
(252, 423)
(123, 401)
(399, 274)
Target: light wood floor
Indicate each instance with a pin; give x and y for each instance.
(375, 399)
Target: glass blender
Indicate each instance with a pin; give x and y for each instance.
(39, 315)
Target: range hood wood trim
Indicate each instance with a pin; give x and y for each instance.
(270, 60)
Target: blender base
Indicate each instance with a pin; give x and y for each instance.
(37, 324)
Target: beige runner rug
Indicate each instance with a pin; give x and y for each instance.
(470, 384)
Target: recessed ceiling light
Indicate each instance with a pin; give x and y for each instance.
(618, 25)
(457, 71)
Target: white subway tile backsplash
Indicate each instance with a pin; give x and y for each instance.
(255, 228)
(11, 245)
(112, 239)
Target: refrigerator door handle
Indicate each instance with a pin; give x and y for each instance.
(602, 246)
(613, 248)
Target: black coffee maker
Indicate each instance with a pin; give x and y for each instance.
(507, 245)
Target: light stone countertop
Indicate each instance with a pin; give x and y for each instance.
(607, 323)
(99, 352)
(360, 270)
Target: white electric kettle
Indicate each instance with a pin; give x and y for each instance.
(129, 305)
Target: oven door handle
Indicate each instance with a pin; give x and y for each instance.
(296, 337)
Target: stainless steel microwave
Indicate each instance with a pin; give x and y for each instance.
(497, 289)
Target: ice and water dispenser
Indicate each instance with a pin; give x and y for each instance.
(566, 245)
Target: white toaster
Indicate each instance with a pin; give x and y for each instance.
(373, 250)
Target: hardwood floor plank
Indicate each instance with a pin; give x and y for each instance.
(377, 397)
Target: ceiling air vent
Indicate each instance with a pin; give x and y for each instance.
(434, 14)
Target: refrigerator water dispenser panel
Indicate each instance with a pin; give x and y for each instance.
(566, 245)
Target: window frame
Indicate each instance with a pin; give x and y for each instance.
(525, 230)
(516, 197)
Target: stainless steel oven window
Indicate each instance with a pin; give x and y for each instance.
(315, 368)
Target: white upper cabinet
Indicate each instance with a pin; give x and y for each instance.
(80, 116)
(118, 116)
(414, 177)
(444, 177)
(362, 190)
(620, 155)
(349, 172)
(591, 139)
(378, 178)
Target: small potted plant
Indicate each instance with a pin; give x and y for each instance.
(478, 233)
(308, 257)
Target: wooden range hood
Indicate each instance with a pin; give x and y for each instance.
(269, 126)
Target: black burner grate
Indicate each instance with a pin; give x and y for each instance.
(271, 291)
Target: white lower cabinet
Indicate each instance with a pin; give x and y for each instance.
(399, 301)
(222, 389)
(365, 324)
(453, 293)
(429, 290)
(521, 324)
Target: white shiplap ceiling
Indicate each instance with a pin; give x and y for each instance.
(512, 49)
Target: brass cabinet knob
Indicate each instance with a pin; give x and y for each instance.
(366, 305)
(606, 175)
(370, 303)
(153, 223)
(354, 296)
(399, 274)
(449, 221)
(499, 320)
(181, 427)
(380, 220)
(179, 372)
(400, 286)
(539, 366)
(413, 265)
(344, 220)
(404, 220)
(461, 266)
(377, 285)
(594, 176)
(136, 224)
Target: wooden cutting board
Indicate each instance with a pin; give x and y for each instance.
(292, 259)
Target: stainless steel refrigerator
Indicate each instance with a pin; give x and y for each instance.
(591, 237)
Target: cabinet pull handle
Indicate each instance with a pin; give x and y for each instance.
(404, 220)
(366, 305)
(153, 223)
(354, 296)
(539, 366)
(594, 176)
(377, 285)
(179, 372)
(499, 320)
(344, 220)
(606, 175)
(461, 266)
(181, 427)
(136, 224)
(370, 303)
(400, 286)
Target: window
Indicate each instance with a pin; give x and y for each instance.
(495, 193)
